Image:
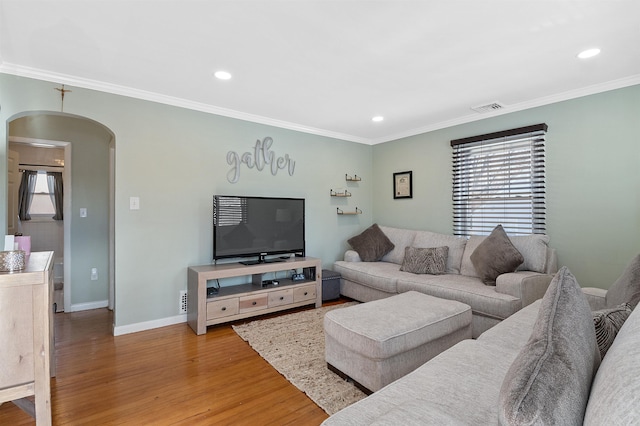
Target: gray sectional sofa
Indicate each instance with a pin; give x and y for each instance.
(539, 366)
(367, 281)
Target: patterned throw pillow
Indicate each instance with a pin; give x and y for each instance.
(607, 323)
(432, 260)
(371, 244)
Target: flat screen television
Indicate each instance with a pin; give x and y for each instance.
(257, 227)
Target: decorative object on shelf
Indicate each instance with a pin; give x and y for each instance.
(260, 157)
(357, 211)
(345, 193)
(355, 178)
(403, 185)
(13, 260)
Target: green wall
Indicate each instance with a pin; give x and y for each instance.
(593, 179)
(174, 159)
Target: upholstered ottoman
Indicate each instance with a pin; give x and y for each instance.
(376, 343)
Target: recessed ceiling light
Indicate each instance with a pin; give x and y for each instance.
(377, 118)
(589, 53)
(222, 75)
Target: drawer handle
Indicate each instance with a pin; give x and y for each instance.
(281, 297)
(254, 303)
(224, 308)
(305, 293)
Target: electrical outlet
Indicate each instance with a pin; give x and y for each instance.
(183, 302)
(94, 274)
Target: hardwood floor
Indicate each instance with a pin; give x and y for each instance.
(165, 376)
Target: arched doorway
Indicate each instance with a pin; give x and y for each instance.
(89, 149)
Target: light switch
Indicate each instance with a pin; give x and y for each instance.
(134, 203)
(83, 212)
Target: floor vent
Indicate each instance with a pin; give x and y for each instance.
(493, 106)
(183, 302)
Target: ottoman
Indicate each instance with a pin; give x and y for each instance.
(376, 343)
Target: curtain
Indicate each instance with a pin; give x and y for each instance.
(25, 193)
(54, 181)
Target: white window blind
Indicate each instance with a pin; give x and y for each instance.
(499, 178)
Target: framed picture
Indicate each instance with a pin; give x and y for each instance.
(403, 185)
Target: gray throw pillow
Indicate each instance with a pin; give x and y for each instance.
(371, 244)
(495, 255)
(432, 260)
(607, 323)
(550, 379)
(626, 289)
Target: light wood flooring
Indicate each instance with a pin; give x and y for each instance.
(165, 376)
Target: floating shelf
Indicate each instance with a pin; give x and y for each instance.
(355, 178)
(341, 212)
(340, 194)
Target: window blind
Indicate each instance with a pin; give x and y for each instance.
(499, 178)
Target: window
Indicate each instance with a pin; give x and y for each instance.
(42, 203)
(499, 178)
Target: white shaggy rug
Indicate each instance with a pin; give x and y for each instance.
(294, 345)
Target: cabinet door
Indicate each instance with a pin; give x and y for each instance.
(280, 297)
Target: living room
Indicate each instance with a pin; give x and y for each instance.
(173, 158)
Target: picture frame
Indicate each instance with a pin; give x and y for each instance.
(403, 185)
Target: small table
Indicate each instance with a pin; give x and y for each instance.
(376, 343)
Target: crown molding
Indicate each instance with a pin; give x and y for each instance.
(22, 71)
(546, 100)
(38, 74)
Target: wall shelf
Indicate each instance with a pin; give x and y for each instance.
(342, 212)
(340, 194)
(355, 178)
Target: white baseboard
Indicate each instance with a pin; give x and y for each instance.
(149, 325)
(88, 306)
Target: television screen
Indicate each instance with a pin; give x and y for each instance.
(257, 226)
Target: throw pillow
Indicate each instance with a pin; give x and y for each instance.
(495, 255)
(371, 244)
(626, 289)
(607, 323)
(550, 379)
(432, 260)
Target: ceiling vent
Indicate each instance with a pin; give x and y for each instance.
(493, 106)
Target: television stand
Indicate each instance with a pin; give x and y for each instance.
(240, 301)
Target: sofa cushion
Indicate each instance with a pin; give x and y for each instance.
(607, 323)
(371, 244)
(400, 238)
(456, 247)
(381, 276)
(495, 255)
(615, 389)
(626, 289)
(534, 249)
(550, 379)
(431, 260)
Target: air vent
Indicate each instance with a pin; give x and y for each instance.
(493, 106)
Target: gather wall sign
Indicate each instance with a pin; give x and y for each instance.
(260, 157)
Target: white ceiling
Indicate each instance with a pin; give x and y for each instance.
(327, 67)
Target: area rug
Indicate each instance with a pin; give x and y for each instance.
(294, 345)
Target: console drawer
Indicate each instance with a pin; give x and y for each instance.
(308, 292)
(280, 297)
(253, 303)
(222, 308)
